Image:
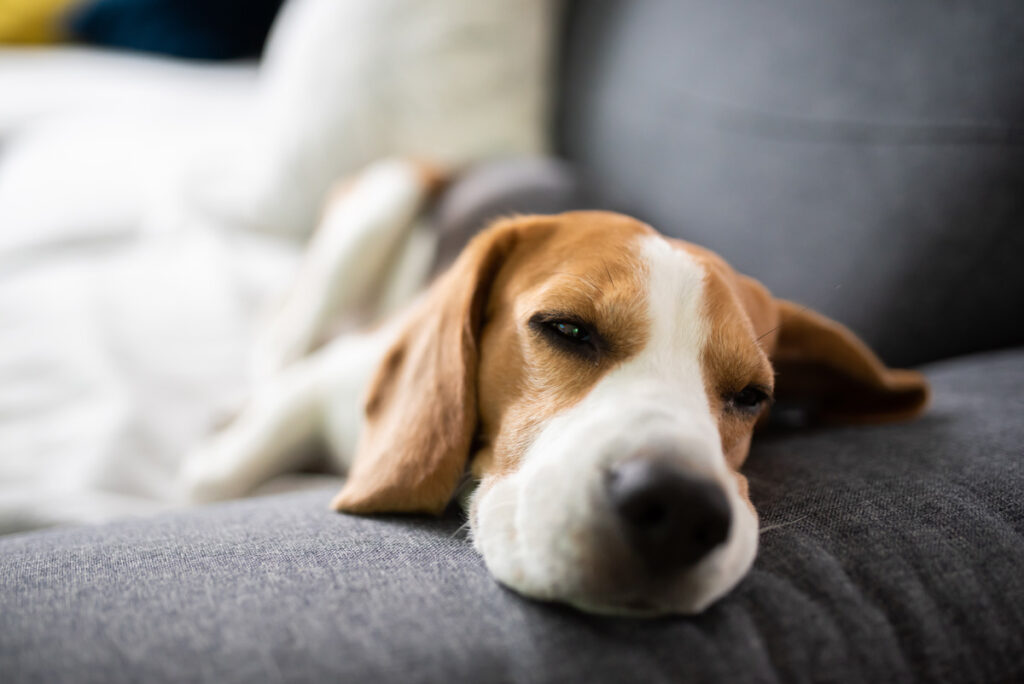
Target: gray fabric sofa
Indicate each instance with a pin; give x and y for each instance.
(889, 554)
(866, 158)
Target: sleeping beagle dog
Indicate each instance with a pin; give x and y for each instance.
(597, 381)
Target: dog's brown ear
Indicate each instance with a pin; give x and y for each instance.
(421, 405)
(823, 367)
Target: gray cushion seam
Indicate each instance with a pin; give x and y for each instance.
(737, 118)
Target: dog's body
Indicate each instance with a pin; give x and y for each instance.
(600, 382)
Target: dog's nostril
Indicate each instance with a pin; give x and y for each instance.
(672, 519)
(646, 514)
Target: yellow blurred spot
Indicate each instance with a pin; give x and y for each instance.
(32, 21)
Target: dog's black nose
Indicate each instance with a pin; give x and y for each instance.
(672, 519)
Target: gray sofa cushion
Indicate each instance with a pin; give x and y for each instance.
(889, 553)
(864, 157)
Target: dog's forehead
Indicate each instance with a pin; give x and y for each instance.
(731, 296)
(636, 283)
(622, 272)
(677, 295)
(613, 258)
(586, 243)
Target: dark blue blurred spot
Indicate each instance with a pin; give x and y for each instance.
(197, 29)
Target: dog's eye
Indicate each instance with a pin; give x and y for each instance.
(571, 331)
(749, 399)
(569, 335)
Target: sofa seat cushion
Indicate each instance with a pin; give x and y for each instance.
(889, 553)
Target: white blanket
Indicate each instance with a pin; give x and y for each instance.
(117, 347)
(114, 359)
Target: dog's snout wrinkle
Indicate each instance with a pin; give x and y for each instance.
(669, 517)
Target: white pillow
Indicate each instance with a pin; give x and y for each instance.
(346, 82)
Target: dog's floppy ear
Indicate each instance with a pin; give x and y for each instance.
(821, 366)
(421, 405)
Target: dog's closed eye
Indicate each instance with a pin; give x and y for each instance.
(569, 334)
(751, 399)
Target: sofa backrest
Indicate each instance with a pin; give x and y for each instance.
(863, 157)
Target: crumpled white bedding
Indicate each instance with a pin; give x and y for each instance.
(119, 345)
(115, 358)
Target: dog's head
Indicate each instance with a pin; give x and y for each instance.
(603, 382)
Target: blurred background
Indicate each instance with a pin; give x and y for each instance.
(161, 166)
(162, 163)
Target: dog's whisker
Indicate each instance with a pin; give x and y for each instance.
(783, 524)
(769, 332)
(608, 272)
(459, 530)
